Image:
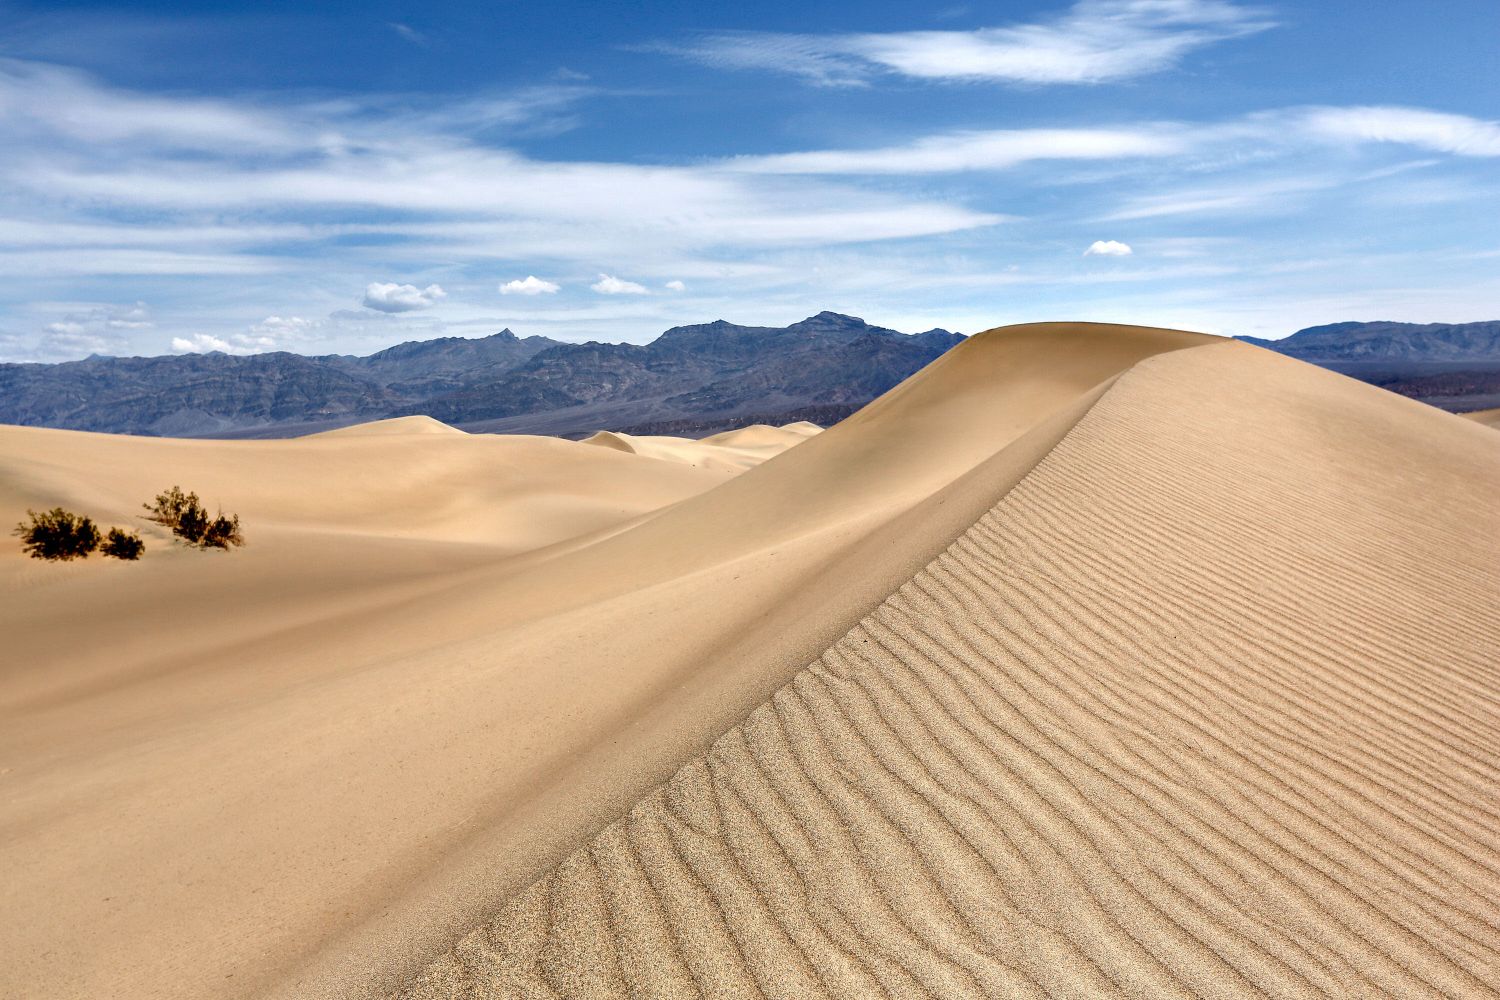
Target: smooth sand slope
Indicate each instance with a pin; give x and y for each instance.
(1205, 687)
(1207, 705)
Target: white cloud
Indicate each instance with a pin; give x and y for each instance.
(1434, 130)
(675, 286)
(38, 97)
(407, 32)
(277, 333)
(1108, 248)
(608, 284)
(992, 150)
(529, 285)
(388, 297)
(271, 334)
(122, 153)
(204, 343)
(1280, 194)
(1096, 41)
(282, 325)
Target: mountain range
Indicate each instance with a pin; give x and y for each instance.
(691, 380)
(1388, 342)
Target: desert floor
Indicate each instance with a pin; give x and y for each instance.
(1090, 661)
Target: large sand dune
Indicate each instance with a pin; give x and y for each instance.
(1090, 661)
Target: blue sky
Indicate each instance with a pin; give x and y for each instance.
(337, 178)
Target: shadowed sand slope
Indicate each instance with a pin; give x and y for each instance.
(1206, 705)
(1489, 418)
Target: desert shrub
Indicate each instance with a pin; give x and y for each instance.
(186, 516)
(58, 534)
(222, 532)
(191, 523)
(170, 505)
(122, 544)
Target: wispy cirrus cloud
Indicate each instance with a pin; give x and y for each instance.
(1095, 41)
(1269, 132)
(172, 161)
(1438, 131)
(409, 33)
(969, 150)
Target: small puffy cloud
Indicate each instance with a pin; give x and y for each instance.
(267, 335)
(389, 297)
(203, 343)
(608, 284)
(1108, 248)
(675, 286)
(529, 285)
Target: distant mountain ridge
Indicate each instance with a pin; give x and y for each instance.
(1387, 341)
(692, 379)
(698, 377)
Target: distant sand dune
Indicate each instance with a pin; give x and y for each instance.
(730, 451)
(1489, 418)
(1092, 660)
(392, 426)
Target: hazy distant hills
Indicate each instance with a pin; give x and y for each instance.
(691, 378)
(1385, 342)
(1455, 366)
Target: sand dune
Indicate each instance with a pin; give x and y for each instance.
(391, 426)
(1136, 732)
(1092, 660)
(730, 451)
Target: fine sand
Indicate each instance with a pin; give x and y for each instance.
(1091, 661)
